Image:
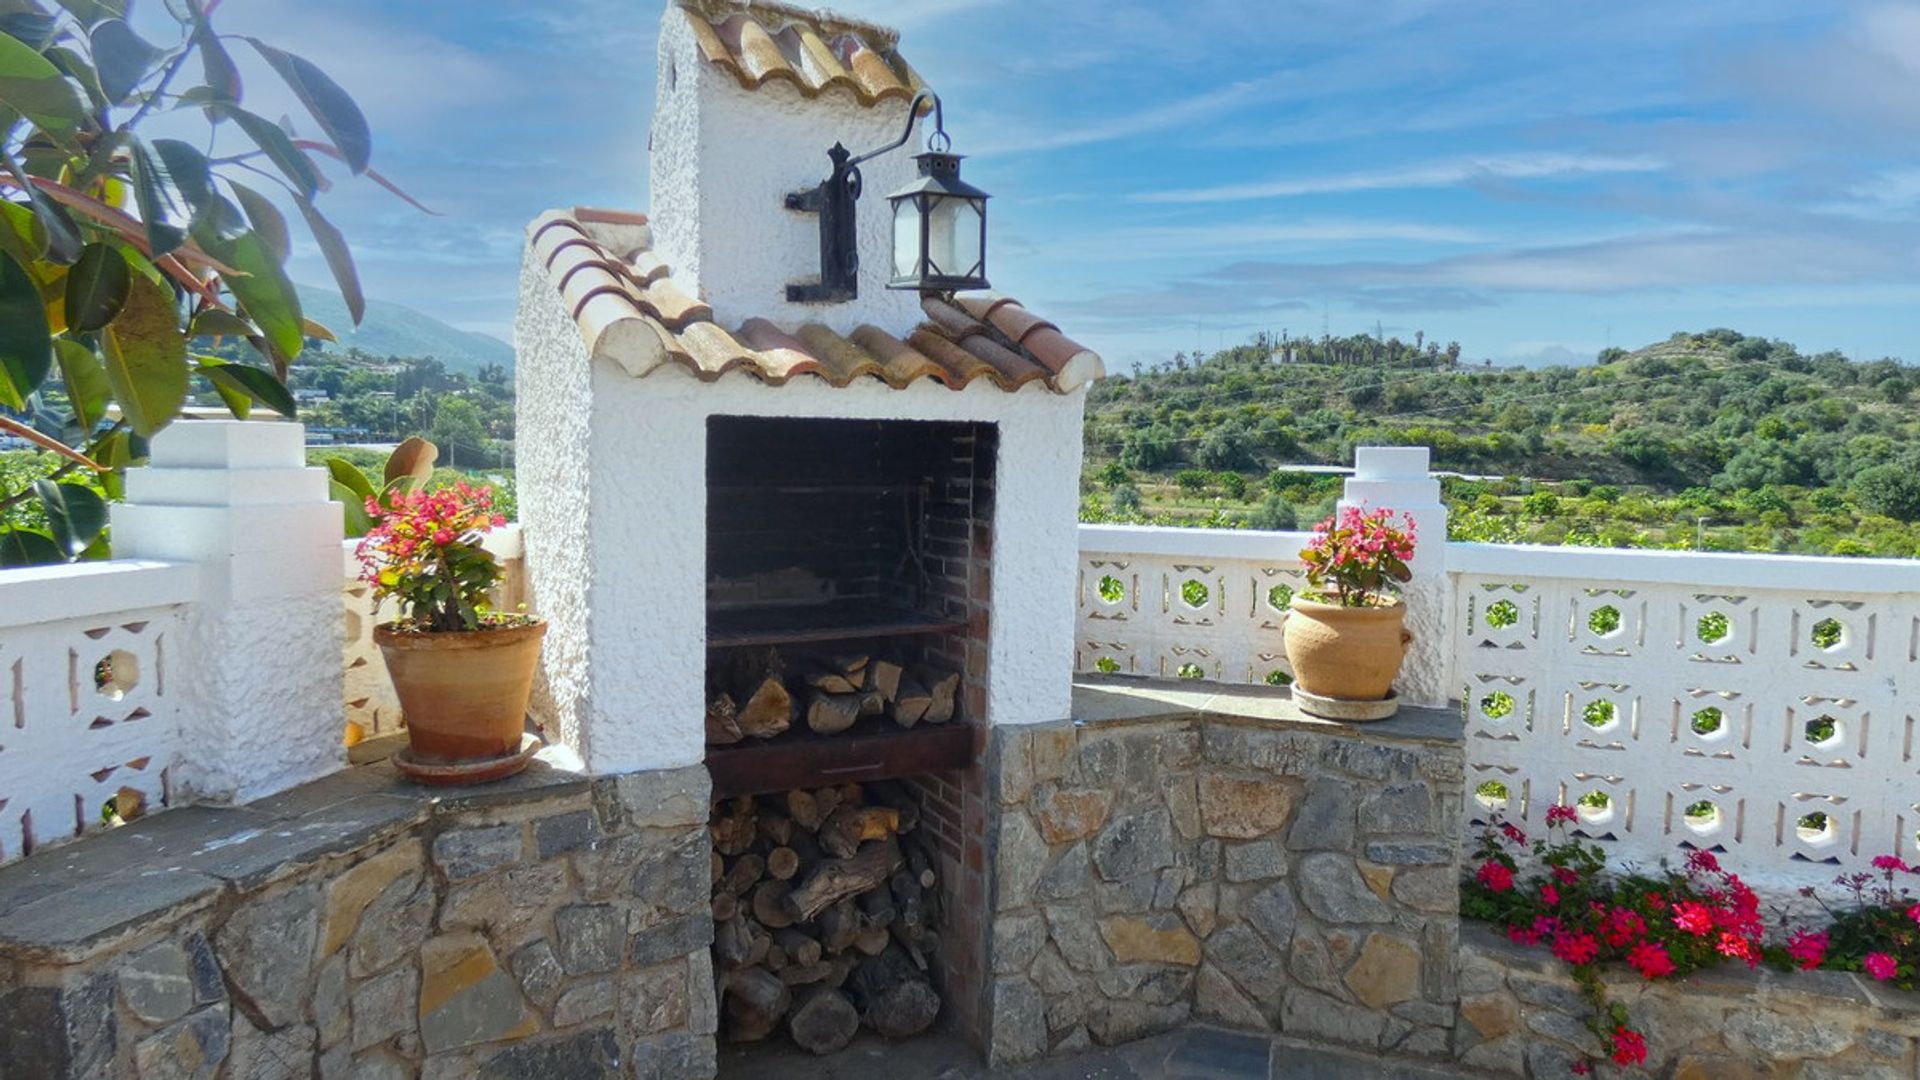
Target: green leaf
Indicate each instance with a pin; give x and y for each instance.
(76, 515)
(331, 106)
(146, 358)
(33, 27)
(256, 384)
(266, 219)
(22, 235)
(262, 287)
(28, 547)
(152, 190)
(339, 260)
(32, 86)
(234, 398)
(348, 475)
(96, 288)
(278, 147)
(92, 11)
(122, 58)
(87, 388)
(353, 508)
(216, 65)
(26, 345)
(187, 167)
(214, 322)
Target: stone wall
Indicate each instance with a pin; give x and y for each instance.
(1521, 1015)
(1268, 874)
(553, 925)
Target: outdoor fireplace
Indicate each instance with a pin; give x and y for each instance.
(824, 548)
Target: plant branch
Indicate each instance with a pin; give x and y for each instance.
(49, 443)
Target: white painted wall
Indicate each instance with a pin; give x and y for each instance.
(1400, 477)
(724, 159)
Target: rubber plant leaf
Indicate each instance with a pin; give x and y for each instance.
(97, 287)
(26, 344)
(28, 547)
(75, 515)
(145, 357)
(255, 383)
(332, 107)
(87, 388)
(412, 458)
(33, 87)
(121, 58)
(339, 260)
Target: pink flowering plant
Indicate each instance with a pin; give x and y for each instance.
(1877, 932)
(424, 552)
(1664, 925)
(1358, 557)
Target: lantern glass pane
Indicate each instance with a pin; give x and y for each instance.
(953, 235)
(906, 238)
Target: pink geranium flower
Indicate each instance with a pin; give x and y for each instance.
(1881, 966)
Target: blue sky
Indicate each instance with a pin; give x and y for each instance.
(1534, 180)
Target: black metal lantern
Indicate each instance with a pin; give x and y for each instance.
(939, 221)
(939, 228)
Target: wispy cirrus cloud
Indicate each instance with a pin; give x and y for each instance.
(1452, 172)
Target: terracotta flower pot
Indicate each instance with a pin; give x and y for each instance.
(463, 694)
(1348, 653)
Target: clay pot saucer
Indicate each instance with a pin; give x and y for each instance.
(443, 774)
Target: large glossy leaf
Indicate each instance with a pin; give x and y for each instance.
(75, 515)
(146, 358)
(187, 167)
(121, 58)
(222, 78)
(265, 218)
(353, 508)
(153, 191)
(339, 260)
(279, 148)
(32, 86)
(35, 28)
(214, 322)
(26, 344)
(234, 398)
(347, 475)
(87, 387)
(92, 11)
(96, 288)
(21, 233)
(265, 293)
(255, 383)
(331, 106)
(28, 547)
(412, 459)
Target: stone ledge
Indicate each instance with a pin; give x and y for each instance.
(1121, 700)
(69, 903)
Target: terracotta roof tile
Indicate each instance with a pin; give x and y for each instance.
(631, 311)
(759, 41)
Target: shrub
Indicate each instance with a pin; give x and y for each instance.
(1890, 491)
(1275, 513)
(1193, 481)
(1877, 932)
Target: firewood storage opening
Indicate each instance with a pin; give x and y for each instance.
(847, 614)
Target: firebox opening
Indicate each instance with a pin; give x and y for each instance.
(847, 615)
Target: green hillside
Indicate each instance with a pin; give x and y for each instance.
(1715, 439)
(395, 330)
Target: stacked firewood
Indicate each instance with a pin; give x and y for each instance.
(757, 693)
(823, 906)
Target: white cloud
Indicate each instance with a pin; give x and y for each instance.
(1436, 174)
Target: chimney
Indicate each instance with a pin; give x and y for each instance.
(750, 98)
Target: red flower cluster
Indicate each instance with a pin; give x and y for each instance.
(1629, 1046)
(424, 551)
(1496, 876)
(1807, 948)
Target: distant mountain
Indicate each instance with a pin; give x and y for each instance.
(396, 330)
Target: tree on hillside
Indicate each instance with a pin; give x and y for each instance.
(1890, 490)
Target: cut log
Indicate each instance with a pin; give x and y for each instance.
(894, 998)
(838, 925)
(773, 827)
(805, 810)
(840, 967)
(776, 960)
(723, 723)
(756, 1000)
(798, 974)
(853, 664)
(800, 948)
(733, 829)
(832, 682)
(732, 944)
(833, 879)
(872, 703)
(900, 799)
(872, 940)
(910, 704)
(825, 1021)
(782, 864)
(919, 861)
(833, 713)
(828, 799)
(876, 908)
(717, 869)
(943, 691)
(909, 904)
(884, 676)
(850, 826)
(725, 906)
(768, 710)
(745, 872)
(805, 847)
(769, 904)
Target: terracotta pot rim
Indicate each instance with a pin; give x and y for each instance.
(389, 635)
(1391, 606)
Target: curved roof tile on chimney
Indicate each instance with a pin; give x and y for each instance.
(758, 42)
(630, 311)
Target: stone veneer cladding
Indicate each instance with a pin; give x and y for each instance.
(1298, 878)
(552, 926)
